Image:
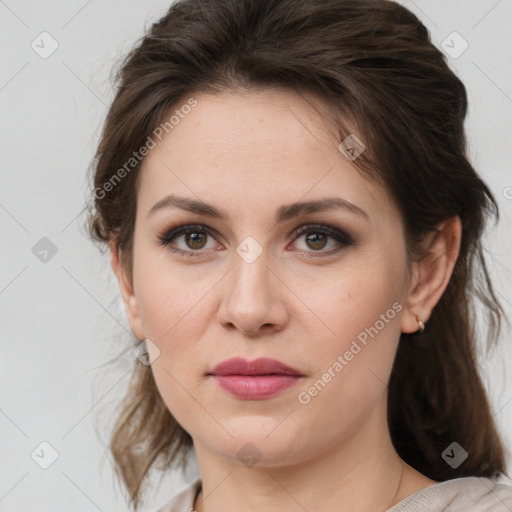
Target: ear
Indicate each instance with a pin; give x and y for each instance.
(431, 274)
(131, 306)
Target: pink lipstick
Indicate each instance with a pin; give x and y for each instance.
(254, 380)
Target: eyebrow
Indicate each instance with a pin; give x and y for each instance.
(284, 213)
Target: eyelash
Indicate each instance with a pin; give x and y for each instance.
(342, 238)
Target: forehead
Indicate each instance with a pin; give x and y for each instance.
(242, 150)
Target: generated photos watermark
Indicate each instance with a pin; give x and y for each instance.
(304, 397)
(143, 151)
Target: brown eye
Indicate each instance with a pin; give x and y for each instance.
(316, 241)
(196, 240)
(190, 240)
(319, 237)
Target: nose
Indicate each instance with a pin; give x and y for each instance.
(253, 298)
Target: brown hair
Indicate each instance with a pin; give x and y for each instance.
(372, 63)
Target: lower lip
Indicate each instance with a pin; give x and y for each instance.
(256, 387)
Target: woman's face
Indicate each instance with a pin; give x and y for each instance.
(328, 302)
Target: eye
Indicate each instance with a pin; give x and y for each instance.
(317, 239)
(194, 238)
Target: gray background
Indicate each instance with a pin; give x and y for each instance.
(60, 318)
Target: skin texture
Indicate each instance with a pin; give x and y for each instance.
(249, 154)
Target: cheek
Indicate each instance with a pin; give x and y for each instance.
(171, 298)
(352, 370)
(173, 313)
(362, 310)
(175, 307)
(365, 292)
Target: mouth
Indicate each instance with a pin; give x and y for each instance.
(254, 380)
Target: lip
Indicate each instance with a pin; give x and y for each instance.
(261, 366)
(255, 380)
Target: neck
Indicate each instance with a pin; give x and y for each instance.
(364, 473)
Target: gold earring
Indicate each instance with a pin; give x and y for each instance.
(420, 324)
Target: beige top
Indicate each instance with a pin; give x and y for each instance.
(471, 494)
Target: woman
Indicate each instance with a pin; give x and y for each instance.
(295, 228)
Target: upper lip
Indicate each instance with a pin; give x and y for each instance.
(261, 366)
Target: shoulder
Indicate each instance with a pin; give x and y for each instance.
(471, 494)
(184, 500)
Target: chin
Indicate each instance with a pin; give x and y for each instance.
(259, 440)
